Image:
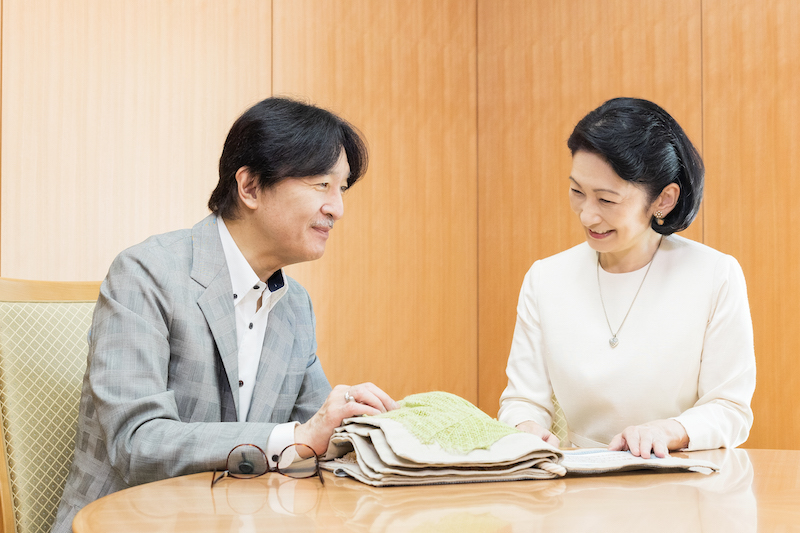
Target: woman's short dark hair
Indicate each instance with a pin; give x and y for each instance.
(645, 145)
(282, 138)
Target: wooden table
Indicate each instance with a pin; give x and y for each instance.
(755, 490)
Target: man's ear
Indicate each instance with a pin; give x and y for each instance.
(668, 199)
(247, 187)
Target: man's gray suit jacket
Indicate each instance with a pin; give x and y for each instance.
(160, 393)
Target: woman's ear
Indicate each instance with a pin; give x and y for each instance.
(667, 200)
(247, 187)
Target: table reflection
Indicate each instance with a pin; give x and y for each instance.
(722, 502)
(234, 505)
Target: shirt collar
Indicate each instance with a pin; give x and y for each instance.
(243, 277)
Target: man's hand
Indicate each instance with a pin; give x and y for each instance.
(659, 436)
(343, 402)
(529, 426)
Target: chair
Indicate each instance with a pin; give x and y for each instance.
(43, 347)
(559, 426)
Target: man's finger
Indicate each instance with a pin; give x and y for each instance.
(370, 394)
(357, 409)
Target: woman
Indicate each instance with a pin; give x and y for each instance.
(644, 337)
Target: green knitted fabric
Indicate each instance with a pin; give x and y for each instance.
(449, 421)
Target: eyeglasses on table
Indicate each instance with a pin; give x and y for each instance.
(247, 461)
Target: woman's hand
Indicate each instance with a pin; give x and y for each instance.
(529, 426)
(659, 436)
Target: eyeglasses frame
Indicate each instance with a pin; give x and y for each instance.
(277, 468)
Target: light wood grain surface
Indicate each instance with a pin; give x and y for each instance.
(23, 290)
(113, 119)
(755, 490)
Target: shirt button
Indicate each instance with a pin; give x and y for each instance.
(241, 383)
(275, 458)
(251, 325)
(256, 287)
(235, 296)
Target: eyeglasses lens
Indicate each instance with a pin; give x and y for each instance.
(247, 461)
(300, 468)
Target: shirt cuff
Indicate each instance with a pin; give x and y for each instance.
(282, 436)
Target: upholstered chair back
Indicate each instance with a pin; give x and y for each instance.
(43, 347)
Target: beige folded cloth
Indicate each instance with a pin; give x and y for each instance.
(439, 438)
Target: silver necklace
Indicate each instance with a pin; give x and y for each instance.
(614, 341)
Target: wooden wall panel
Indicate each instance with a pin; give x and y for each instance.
(541, 67)
(395, 292)
(113, 119)
(751, 113)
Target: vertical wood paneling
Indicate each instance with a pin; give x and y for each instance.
(113, 119)
(541, 67)
(751, 83)
(395, 292)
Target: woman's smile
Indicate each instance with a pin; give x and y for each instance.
(599, 235)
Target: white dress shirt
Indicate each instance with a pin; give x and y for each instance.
(251, 325)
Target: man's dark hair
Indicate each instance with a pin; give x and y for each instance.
(645, 145)
(281, 138)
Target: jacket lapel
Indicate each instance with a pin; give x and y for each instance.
(273, 366)
(210, 270)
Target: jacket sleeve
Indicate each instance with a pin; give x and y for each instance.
(155, 378)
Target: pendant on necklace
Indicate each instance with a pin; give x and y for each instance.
(613, 341)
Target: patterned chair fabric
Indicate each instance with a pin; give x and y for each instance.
(43, 347)
(559, 426)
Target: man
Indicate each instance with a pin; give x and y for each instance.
(199, 342)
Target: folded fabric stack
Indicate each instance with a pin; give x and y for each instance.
(437, 437)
